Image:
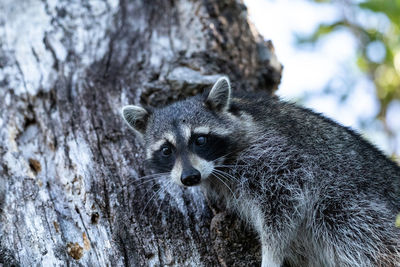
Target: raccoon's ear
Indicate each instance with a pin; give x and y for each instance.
(136, 117)
(218, 98)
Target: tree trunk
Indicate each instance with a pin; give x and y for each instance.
(70, 188)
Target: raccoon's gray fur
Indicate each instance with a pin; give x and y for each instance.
(316, 192)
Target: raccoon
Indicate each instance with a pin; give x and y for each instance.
(316, 192)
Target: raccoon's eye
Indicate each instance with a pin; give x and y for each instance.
(166, 151)
(201, 140)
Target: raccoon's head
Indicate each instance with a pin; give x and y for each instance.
(190, 138)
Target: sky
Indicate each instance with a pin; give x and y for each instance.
(309, 69)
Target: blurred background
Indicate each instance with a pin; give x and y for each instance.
(341, 58)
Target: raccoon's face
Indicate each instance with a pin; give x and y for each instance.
(190, 138)
(189, 154)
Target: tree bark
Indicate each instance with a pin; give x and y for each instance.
(70, 188)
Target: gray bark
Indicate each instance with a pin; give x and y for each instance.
(70, 192)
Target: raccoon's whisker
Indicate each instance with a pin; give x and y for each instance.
(162, 187)
(231, 165)
(227, 175)
(168, 185)
(219, 177)
(225, 178)
(144, 181)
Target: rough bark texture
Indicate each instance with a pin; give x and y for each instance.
(70, 192)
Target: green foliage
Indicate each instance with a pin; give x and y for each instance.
(389, 7)
(384, 72)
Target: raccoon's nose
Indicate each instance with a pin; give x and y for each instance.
(190, 177)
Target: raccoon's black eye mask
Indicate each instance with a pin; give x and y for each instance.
(207, 146)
